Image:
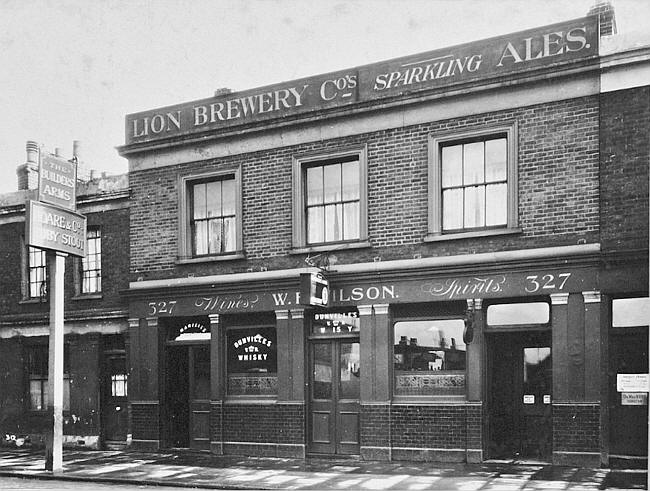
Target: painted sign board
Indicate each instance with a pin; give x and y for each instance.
(522, 52)
(437, 288)
(634, 399)
(56, 229)
(57, 182)
(632, 382)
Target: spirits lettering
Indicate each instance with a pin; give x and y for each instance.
(455, 288)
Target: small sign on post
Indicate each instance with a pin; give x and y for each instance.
(57, 182)
(51, 223)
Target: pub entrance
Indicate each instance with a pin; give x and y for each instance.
(187, 395)
(519, 395)
(334, 397)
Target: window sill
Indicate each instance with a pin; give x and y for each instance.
(88, 296)
(334, 246)
(210, 259)
(33, 301)
(428, 400)
(271, 399)
(439, 237)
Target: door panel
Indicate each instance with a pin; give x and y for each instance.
(200, 398)
(334, 401)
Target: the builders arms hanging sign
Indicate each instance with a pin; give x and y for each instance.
(550, 46)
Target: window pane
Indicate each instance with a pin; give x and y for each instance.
(452, 209)
(229, 234)
(511, 314)
(350, 181)
(35, 395)
(630, 312)
(350, 373)
(473, 163)
(496, 205)
(474, 206)
(315, 225)
(452, 166)
(201, 238)
(429, 357)
(252, 361)
(351, 221)
(333, 222)
(322, 371)
(332, 183)
(213, 199)
(314, 185)
(198, 207)
(215, 229)
(495, 160)
(228, 197)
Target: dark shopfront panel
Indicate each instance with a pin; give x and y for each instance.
(421, 384)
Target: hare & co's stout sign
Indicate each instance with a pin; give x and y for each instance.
(56, 229)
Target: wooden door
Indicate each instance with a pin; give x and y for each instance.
(519, 397)
(334, 397)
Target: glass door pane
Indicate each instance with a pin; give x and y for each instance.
(350, 372)
(322, 374)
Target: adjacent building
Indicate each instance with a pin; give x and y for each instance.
(95, 368)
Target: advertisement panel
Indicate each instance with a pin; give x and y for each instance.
(52, 228)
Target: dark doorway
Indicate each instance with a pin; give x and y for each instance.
(114, 397)
(519, 395)
(114, 391)
(188, 396)
(334, 397)
(628, 412)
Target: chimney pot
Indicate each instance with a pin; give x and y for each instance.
(222, 91)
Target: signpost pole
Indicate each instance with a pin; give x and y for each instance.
(54, 440)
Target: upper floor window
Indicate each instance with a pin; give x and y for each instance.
(211, 215)
(37, 273)
(473, 182)
(91, 264)
(330, 195)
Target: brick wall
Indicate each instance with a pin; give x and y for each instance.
(576, 428)
(115, 263)
(145, 421)
(272, 423)
(624, 157)
(558, 193)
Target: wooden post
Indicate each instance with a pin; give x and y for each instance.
(54, 435)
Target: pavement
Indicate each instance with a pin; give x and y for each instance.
(206, 471)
